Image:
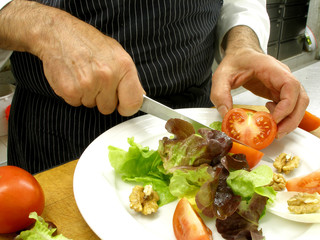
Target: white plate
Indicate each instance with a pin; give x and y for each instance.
(103, 198)
(280, 208)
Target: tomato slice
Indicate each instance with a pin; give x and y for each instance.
(187, 224)
(253, 156)
(256, 129)
(309, 183)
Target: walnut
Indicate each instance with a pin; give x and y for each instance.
(278, 182)
(286, 163)
(304, 203)
(144, 199)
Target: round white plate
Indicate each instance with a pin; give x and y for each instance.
(103, 198)
(280, 208)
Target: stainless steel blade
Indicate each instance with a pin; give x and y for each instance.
(161, 111)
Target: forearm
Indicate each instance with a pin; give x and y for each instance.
(239, 38)
(25, 26)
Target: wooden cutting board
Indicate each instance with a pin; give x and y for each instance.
(60, 207)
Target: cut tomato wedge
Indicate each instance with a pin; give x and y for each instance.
(187, 224)
(253, 156)
(255, 129)
(309, 122)
(309, 183)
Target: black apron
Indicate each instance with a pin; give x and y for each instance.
(172, 45)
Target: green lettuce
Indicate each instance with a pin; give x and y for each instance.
(246, 183)
(40, 231)
(216, 125)
(141, 165)
(186, 182)
(190, 151)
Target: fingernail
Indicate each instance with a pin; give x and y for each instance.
(281, 135)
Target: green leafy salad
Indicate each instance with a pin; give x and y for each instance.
(40, 231)
(198, 166)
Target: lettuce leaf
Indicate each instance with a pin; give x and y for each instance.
(141, 165)
(40, 231)
(246, 183)
(190, 149)
(216, 125)
(186, 182)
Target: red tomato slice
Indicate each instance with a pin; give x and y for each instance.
(256, 129)
(253, 156)
(187, 224)
(20, 194)
(309, 183)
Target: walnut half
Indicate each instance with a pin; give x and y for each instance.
(286, 163)
(304, 203)
(144, 199)
(278, 182)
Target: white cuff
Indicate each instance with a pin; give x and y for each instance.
(251, 13)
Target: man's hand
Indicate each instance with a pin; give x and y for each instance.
(245, 65)
(82, 65)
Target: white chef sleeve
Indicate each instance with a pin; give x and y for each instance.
(251, 13)
(4, 54)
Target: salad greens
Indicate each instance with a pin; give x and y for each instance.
(187, 182)
(216, 125)
(142, 165)
(40, 231)
(198, 167)
(245, 183)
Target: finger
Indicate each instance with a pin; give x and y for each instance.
(130, 94)
(90, 87)
(289, 94)
(68, 90)
(293, 120)
(221, 93)
(106, 99)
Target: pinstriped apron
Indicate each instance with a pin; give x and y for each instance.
(172, 45)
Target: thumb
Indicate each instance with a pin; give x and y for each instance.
(221, 93)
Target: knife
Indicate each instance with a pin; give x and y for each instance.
(161, 111)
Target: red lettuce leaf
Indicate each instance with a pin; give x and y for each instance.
(236, 162)
(189, 149)
(215, 198)
(243, 224)
(236, 227)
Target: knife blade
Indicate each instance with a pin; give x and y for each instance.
(162, 111)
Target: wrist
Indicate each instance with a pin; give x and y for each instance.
(240, 39)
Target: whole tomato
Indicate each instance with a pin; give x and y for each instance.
(20, 194)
